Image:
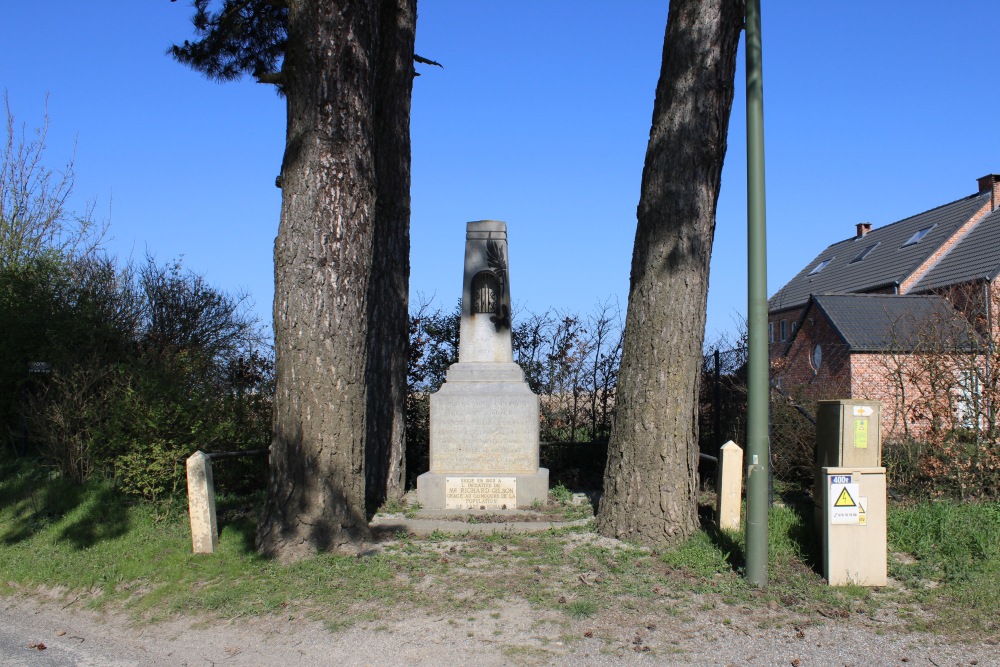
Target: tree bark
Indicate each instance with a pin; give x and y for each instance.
(388, 302)
(650, 483)
(331, 383)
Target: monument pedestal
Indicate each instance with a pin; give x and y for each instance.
(483, 441)
(496, 491)
(484, 419)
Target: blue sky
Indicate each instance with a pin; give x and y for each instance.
(874, 111)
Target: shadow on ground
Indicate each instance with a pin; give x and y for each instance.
(34, 500)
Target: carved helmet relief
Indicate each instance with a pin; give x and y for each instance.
(489, 287)
(485, 292)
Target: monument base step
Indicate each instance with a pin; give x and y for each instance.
(492, 491)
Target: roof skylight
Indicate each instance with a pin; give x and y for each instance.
(819, 267)
(918, 236)
(864, 253)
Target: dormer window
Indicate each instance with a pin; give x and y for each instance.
(918, 236)
(864, 253)
(819, 267)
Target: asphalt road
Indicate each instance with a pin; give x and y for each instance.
(20, 629)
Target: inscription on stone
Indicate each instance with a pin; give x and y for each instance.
(480, 493)
(494, 434)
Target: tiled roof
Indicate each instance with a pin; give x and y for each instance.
(886, 264)
(974, 257)
(888, 322)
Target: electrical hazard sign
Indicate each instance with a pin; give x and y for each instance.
(844, 499)
(844, 506)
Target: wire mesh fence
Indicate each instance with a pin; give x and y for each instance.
(723, 417)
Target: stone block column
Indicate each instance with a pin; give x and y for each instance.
(201, 504)
(730, 486)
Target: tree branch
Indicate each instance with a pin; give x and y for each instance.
(426, 61)
(276, 78)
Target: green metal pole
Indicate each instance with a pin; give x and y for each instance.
(758, 459)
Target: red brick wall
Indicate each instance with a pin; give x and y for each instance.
(791, 318)
(877, 377)
(995, 309)
(794, 371)
(916, 390)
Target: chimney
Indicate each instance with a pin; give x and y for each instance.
(991, 183)
(863, 228)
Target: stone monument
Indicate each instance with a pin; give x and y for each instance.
(484, 419)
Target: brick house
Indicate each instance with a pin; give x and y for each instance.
(898, 314)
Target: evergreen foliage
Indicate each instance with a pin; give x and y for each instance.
(240, 37)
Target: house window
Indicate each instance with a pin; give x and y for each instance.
(485, 288)
(819, 267)
(967, 398)
(918, 236)
(816, 358)
(770, 332)
(784, 330)
(864, 253)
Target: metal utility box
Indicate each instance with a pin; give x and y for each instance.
(849, 434)
(854, 526)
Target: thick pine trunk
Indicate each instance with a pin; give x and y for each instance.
(388, 335)
(650, 484)
(328, 433)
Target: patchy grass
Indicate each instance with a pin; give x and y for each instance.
(948, 555)
(98, 548)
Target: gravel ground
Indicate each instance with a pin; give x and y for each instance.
(513, 634)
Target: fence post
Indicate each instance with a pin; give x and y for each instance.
(201, 504)
(730, 498)
(716, 401)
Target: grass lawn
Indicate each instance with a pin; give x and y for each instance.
(102, 550)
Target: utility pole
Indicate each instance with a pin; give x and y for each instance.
(758, 445)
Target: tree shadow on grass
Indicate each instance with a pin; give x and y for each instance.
(35, 502)
(723, 540)
(103, 516)
(239, 514)
(802, 533)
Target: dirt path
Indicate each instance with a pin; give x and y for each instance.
(514, 634)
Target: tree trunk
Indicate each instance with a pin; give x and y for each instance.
(650, 484)
(388, 303)
(337, 166)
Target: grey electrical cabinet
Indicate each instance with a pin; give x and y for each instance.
(854, 527)
(849, 434)
(850, 492)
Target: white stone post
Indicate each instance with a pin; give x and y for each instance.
(201, 504)
(730, 486)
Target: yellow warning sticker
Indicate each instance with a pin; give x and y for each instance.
(863, 511)
(861, 434)
(844, 499)
(843, 506)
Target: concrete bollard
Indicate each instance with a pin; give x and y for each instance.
(201, 504)
(727, 513)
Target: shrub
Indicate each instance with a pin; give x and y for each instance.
(148, 365)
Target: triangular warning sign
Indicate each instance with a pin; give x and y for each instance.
(844, 499)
